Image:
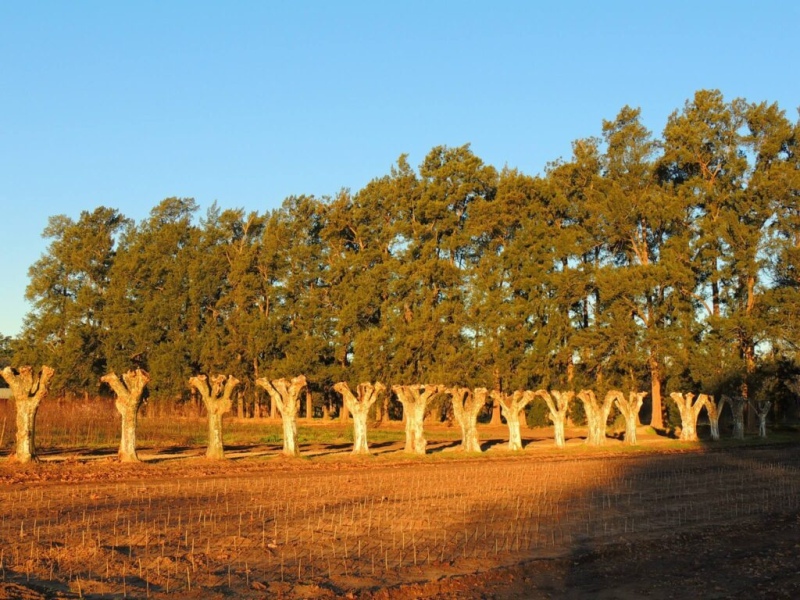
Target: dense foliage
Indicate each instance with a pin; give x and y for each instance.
(640, 262)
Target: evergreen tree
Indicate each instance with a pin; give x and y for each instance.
(68, 285)
(149, 303)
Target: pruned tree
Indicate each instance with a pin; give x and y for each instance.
(286, 395)
(414, 399)
(467, 404)
(714, 410)
(27, 391)
(761, 408)
(690, 408)
(737, 408)
(512, 406)
(129, 398)
(597, 414)
(359, 407)
(217, 400)
(630, 410)
(558, 412)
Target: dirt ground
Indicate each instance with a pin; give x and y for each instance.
(692, 522)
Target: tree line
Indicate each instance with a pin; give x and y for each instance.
(640, 262)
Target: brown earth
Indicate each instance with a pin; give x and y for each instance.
(691, 522)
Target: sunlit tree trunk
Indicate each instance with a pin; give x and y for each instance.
(597, 415)
(27, 391)
(217, 400)
(359, 407)
(512, 406)
(129, 398)
(714, 410)
(414, 399)
(690, 410)
(467, 405)
(761, 409)
(558, 412)
(630, 410)
(286, 396)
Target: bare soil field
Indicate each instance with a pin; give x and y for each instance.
(665, 521)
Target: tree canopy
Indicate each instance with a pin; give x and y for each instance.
(640, 261)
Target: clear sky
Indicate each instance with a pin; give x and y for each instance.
(124, 104)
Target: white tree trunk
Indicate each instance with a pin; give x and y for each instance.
(27, 390)
(762, 410)
(512, 406)
(714, 410)
(737, 408)
(359, 408)
(129, 398)
(127, 442)
(467, 405)
(414, 399)
(558, 412)
(217, 400)
(630, 410)
(597, 415)
(286, 396)
(689, 412)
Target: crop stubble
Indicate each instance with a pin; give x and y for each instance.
(365, 526)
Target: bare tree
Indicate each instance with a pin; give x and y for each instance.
(761, 407)
(597, 415)
(737, 408)
(285, 395)
(630, 410)
(359, 407)
(558, 412)
(714, 410)
(414, 399)
(689, 409)
(512, 406)
(466, 407)
(129, 399)
(217, 399)
(28, 390)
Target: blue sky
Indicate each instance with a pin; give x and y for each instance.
(124, 104)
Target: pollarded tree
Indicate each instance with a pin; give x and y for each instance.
(467, 404)
(286, 395)
(689, 410)
(737, 408)
(414, 399)
(359, 407)
(761, 409)
(27, 390)
(558, 411)
(597, 414)
(217, 400)
(512, 407)
(630, 410)
(129, 399)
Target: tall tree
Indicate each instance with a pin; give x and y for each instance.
(68, 285)
(639, 285)
(428, 291)
(149, 303)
